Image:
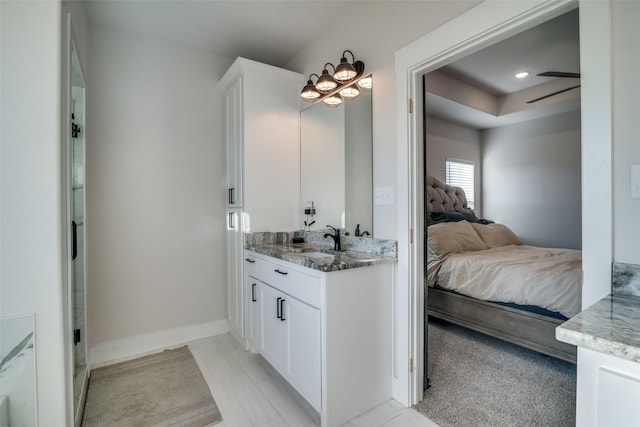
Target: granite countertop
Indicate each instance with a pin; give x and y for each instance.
(610, 326)
(321, 258)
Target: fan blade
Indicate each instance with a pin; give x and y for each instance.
(560, 74)
(552, 94)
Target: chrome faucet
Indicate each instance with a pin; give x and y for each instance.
(335, 237)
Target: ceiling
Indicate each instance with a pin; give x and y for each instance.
(551, 46)
(269, 31)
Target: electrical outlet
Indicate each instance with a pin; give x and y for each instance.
(383, 196)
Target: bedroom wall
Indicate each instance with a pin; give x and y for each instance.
(448, 140)
(155, 194)
(531, 178)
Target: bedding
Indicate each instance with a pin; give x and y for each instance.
(493, 265)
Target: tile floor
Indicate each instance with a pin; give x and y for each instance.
(249, 393)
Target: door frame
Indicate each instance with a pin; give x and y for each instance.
(486, 24)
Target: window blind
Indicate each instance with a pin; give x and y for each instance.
(461, 174)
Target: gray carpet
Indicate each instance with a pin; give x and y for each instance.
(163, 389)
(478, 381)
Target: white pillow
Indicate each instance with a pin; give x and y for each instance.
(495, 235)
(453, 237)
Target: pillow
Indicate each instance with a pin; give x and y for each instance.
(495, 235)
(453, 237)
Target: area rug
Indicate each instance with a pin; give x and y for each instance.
(477, 380)
(163, 389)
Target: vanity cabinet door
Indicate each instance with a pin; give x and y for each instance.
(302, 342)
(271, 328)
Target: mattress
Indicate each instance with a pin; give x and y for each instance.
(550, 278)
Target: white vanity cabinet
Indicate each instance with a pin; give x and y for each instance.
(262, 141)
(327, 334)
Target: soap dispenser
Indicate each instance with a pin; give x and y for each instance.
(357, 233)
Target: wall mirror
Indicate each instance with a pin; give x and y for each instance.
(336, 165)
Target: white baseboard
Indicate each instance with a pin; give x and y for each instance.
(115, 351)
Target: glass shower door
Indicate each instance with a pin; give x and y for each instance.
(78, 263)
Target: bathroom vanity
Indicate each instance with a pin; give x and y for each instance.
(322, 319)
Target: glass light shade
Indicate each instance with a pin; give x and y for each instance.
(326, 83)
(350, 92)
(309, 92)
(333, 100)
(366, 83)
(344, 71)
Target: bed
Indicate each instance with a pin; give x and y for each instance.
(479, 275)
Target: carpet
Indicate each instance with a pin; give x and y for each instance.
(477, 380)
(163, 389)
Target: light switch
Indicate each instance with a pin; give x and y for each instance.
(383, 196)
(635, 181)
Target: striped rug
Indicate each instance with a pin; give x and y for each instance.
(163, 389)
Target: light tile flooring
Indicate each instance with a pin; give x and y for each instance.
(249, 393)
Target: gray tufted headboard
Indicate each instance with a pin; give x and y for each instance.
(442, 197)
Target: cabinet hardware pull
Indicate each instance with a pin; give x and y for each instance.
(282, 319)
(231, 220)
(74, 240)
(284, 273)
(250, 260)
(278, 307)
(231, 198)
(253, 293)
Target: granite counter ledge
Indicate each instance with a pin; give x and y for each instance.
(304, 254)
(610, 326)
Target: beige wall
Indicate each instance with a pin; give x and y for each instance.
(626, 128)
(155, 187)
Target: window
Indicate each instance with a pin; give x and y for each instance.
(461, 174)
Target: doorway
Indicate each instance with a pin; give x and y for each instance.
(470, 32)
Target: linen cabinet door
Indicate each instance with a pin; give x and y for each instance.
(234, 144)
(302, 349)
(271, 326)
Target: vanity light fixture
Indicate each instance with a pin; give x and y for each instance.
(326, 83)
(345, 82)
(309, 92)
(345, 71)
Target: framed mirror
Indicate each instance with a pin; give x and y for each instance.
(336, 166)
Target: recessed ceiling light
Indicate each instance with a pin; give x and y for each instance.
(522, 74)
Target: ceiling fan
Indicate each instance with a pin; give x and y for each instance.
(556, 74)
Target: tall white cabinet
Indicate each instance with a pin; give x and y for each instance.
(262, 138)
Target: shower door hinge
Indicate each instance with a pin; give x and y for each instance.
(76, 336)
(411, 365)
(410, 106)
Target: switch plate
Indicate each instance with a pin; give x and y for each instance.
(635, 181)
(383, 196)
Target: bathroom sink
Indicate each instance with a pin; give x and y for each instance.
(318, 255)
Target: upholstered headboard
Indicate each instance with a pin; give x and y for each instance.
(442, 197)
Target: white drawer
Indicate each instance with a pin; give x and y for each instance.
(299, 285)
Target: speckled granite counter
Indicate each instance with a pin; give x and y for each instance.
(359, 252)
(610, 326)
